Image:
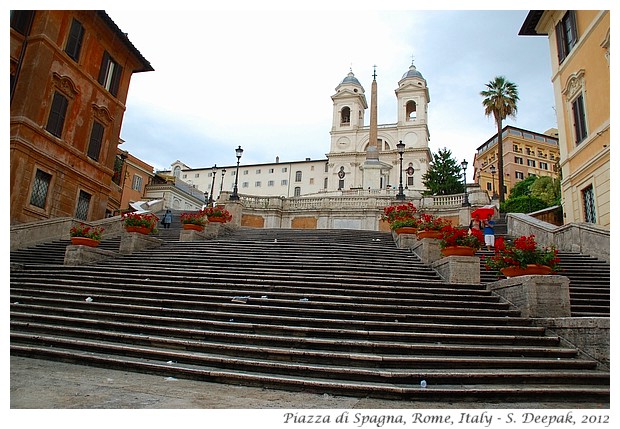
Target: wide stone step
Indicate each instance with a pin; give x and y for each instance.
(429, 328)
(315, 378)
(388, 341)
(108, 292)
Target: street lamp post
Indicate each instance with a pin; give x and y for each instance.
(222, 182)
(464, 167)
(235, 195)
(493, 169)
(401, 149)
(213, 171)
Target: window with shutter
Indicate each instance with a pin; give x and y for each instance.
(579, 119)
(566, 35)
(56, 119)
(96, 139)
(110, 74)
(74, 41)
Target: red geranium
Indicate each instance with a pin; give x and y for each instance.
(522, 252)
(453, 236)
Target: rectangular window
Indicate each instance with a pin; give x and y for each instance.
(284, 169)
(409, 180)
(515, 148)
(518, 175)
(40, 189)
(312, 180)
(270, 183)
(21, 21)
(588, 204)
(81, 211)
(543, 165)
(185, 176)
(246, 172)
(136, 184)
(489, 186)
(257, 184)
(271, 170)
(531, 163)
(110, 74)
(96, 139)
(245, 185)
(197, 175)
(579, 119)
(74, 41)
(284, 182)
(518, 160)
(258, 171)
(566, 35)
(56, 119)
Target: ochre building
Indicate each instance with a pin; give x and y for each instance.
(580, 50)
(70, 74)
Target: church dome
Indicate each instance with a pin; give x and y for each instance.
(350, 79)
(412, 72)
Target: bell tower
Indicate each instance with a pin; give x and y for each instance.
(413, 98)
(349, 105)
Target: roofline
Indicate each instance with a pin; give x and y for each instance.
(232, 167)
(531, 21)
(146, 65)
(514, 128)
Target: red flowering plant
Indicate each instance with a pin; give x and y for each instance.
(523, 251)
(146, 220)
(217, 211)
(400, 215)
(429, 222)
(453, 236)
(86, 231)
(197, 218)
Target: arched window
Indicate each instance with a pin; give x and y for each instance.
(411, 110)
(298, 176)
(325, 183)
(345, 116)
(297, 191)
(177, 171)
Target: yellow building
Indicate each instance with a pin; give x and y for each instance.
(579, 47)
(526, 153)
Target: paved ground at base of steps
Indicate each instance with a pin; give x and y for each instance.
(41, 384)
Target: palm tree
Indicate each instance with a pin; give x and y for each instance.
(500, 100)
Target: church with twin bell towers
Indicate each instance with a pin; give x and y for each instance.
(361, 158)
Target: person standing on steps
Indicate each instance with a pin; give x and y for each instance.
(475, 224)
(167, 219)
(489, 232)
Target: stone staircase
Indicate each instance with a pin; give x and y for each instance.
(326, 311)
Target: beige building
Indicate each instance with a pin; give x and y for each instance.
(579, 47)
(346, 169)
(526, 153)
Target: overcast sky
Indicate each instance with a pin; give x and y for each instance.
(263, 78)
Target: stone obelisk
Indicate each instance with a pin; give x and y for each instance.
(372, 166)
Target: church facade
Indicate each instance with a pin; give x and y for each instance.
(361, 159)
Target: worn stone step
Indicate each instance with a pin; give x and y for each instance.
(296, 381)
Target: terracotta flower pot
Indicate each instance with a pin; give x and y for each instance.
(429, 234)
(139, 229)
(193, 227)
(531, 269)
(458, 251)
(406, 230)
(216, 219)
(84, 241)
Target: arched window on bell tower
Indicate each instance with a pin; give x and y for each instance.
(412, 112)
(345, 116)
